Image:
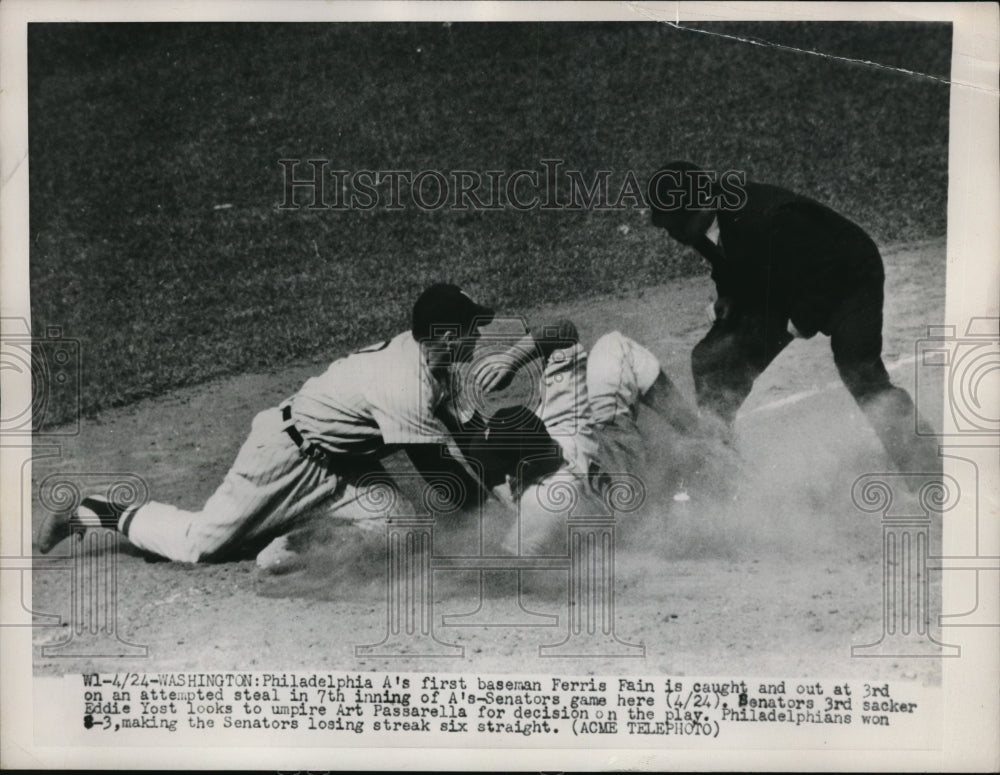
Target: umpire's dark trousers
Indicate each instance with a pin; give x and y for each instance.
(738, 349)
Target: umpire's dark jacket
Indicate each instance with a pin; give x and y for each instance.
(785, 255)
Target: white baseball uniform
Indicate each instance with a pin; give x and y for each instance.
(566, 410)
(381, 396)
(619, 372)
(589, 408)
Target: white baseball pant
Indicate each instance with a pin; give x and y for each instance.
(270, 486)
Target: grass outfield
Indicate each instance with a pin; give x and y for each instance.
(139, 133)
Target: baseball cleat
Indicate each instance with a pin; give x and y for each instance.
(55, 528)
(94, 511)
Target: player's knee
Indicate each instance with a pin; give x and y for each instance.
(611, 344)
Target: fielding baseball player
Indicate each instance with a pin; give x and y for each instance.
(583, 435)
(309, 453)
(785, 266)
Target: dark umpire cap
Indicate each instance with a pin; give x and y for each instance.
(443, 307)
(669, 192)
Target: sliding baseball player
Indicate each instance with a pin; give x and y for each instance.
(583, 433)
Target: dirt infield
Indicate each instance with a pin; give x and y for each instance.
(781, 580)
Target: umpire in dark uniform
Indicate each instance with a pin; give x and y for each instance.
(785, 266)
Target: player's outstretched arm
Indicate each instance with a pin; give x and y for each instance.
(540, 341)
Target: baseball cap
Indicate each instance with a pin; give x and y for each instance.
(668, 189)
(444, 305)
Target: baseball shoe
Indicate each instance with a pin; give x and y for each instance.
(94, 511)
(55, 528)
(278, 556)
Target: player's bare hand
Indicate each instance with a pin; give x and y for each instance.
(493, 374)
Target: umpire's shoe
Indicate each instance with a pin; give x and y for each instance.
(95, 511)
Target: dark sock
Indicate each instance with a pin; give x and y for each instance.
(99, 512)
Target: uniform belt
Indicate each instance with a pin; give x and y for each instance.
(307, 448)
(290, 429)
(343, 464)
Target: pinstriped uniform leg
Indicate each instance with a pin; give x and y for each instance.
(269, 486)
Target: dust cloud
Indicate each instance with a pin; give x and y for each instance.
(778, 489)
